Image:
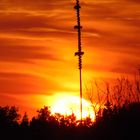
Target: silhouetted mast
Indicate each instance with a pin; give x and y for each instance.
(79, 53)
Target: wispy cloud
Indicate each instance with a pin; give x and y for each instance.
(24, 54)
(16, 83)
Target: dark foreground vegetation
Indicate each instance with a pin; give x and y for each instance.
(115, 121)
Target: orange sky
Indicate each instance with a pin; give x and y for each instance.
(37, 45)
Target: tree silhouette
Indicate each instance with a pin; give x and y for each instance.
(25, 120)
(118, 119)
(9, 116)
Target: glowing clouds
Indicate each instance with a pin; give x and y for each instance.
(37, 45)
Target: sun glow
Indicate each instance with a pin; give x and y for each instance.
(66, 105)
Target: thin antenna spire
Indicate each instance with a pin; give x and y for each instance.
(79, 53)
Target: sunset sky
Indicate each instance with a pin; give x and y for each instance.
(38, 42)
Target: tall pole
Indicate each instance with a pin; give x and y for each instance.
(79, 53)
